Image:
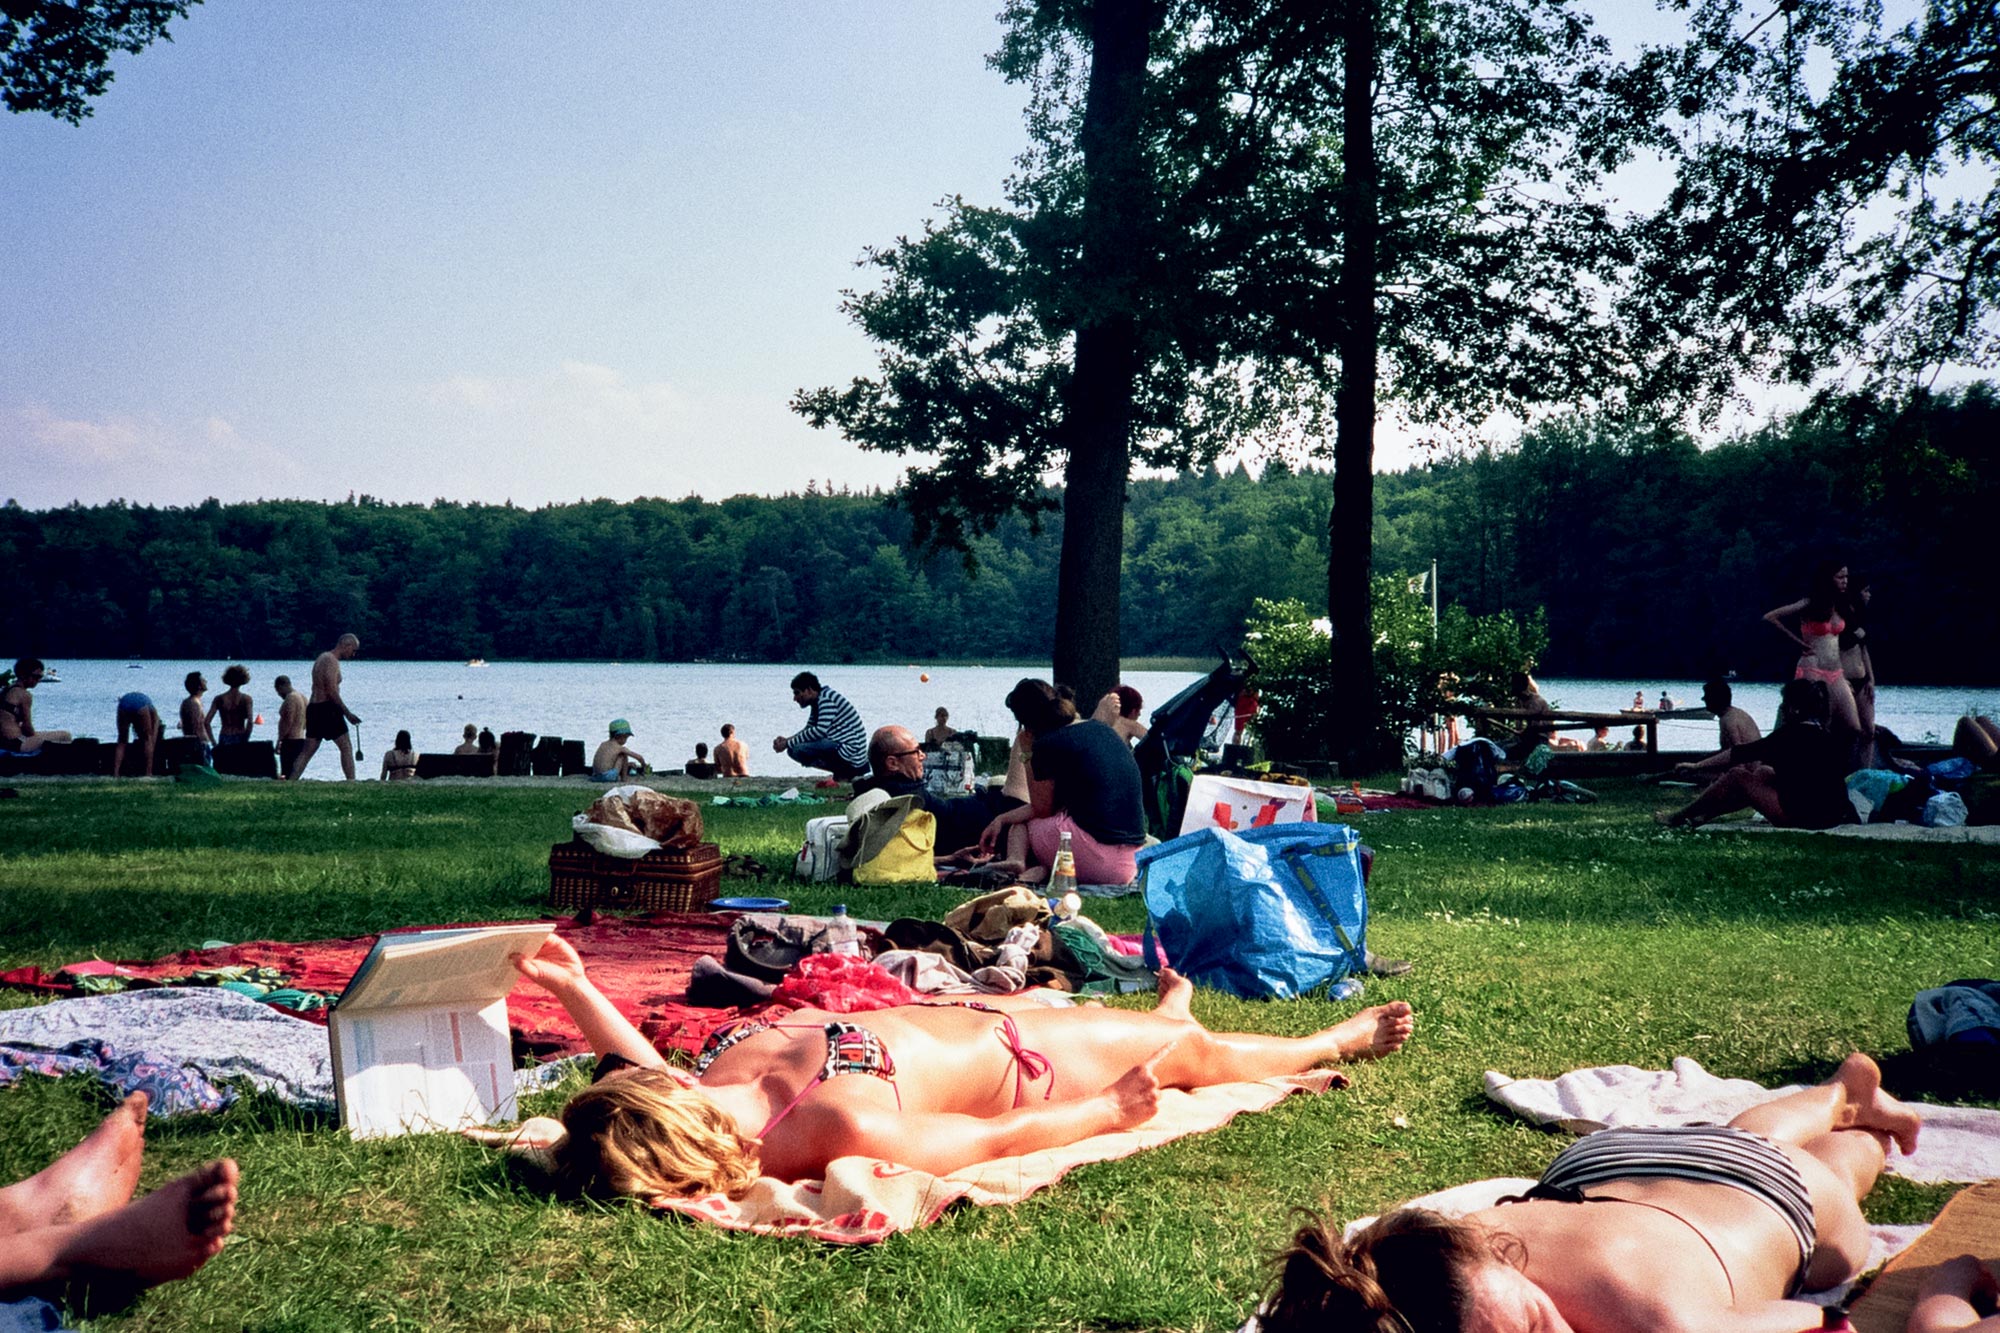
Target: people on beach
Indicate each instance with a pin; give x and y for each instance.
(833, 737)
(700, 766)
(1820, 625)
(234, 707)
(1081, 780)
(896, 766)
(470, 742)
(138, 720)
(399, 764)
(194, 718)
(1795, 777)
(936, 1087)
(1600, 740)
(17, 710)
(1638, 741)
(488, 742)
(327, 713)
(732, 757)
(1119, 710)
(1704, 1227)
(943, 731)
(76, 1218)
(615, 759)
(291, 724)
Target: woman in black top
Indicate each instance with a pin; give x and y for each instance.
(1082, 780)
(1796, 777)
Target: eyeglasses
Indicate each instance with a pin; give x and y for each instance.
(904, 754)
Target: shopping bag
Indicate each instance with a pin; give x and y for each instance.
(1265, 913)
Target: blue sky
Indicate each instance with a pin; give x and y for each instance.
(482, 251)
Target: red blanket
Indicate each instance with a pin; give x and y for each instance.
(642, 964)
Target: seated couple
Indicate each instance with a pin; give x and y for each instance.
(1704, 1229)
(934, 1087)
(76, 1219)
(1796, 777)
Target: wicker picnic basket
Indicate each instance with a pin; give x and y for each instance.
(581, 877)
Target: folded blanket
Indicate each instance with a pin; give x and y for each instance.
(1957, 1143)
(863, 1200)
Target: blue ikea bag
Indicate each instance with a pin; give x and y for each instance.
(1265, 913)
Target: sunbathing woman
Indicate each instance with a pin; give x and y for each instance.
(76, 1217)
(1818, 636)
(935, 1087)
(1691, 1230)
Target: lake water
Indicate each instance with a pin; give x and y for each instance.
(673, 705)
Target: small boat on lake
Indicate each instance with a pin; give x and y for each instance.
(475, 661)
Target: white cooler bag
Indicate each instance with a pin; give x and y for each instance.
(819, 859)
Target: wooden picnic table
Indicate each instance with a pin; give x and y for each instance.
(1573, 719)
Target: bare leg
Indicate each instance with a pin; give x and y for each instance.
(96, 1176)
(306, 754)
(1977, 739)
(1203, 1058)
(167, 1235)
(1747, 786)
(1951, 1298)
(1840, 699)
(344, 742)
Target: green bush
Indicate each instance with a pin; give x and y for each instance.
(1473, 658)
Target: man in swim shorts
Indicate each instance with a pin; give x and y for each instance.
(327, 715)
(291, 724)
(137, 717)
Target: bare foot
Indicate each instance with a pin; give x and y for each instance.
(1373, 1033)
(165, 1236)
(1868, 1107)
(89, 1180)
(1175, 992)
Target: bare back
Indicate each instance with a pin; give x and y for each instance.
(326, 678)
(292, 717)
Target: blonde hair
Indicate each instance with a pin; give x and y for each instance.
(1406, 1272)
(644, 1134)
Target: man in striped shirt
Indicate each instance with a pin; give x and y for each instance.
(832, 738)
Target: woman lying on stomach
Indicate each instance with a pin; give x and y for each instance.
(1705, 1229)
(935, 1087)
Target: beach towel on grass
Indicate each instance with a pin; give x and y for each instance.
(864, 1200)
(1958, 1143)
(641, 963)
(1986, 834)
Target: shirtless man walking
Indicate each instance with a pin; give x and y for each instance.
(291, 724)
(327, 715)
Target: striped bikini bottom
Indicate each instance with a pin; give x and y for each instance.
(1708, 1154)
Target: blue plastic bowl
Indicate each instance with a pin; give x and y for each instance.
(748, 904)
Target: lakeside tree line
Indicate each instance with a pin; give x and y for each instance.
(1652, 558)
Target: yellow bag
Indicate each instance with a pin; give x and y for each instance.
(906, 856)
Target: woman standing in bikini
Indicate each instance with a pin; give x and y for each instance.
(1701, 1229)
(1818, 636)
(934, 1087)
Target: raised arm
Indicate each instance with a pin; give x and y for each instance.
(557, 970)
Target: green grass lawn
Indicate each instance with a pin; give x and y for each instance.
(1545, 938)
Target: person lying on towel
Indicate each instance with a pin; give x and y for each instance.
(1700, 1229)
(936, 1087)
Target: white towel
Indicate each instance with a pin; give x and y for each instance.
(1958, 1143)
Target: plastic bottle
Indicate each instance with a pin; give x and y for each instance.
(1347, 988)
(1062, 879)
(842, 935)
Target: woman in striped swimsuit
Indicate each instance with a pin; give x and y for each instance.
(1705, 1229)
(966, 1083)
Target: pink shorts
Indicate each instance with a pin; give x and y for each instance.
(1096, 863)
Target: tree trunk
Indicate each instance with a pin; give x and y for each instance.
(1097, 423)
(1354, 729)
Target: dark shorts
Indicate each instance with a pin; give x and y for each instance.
(288, 751)
(325, 722)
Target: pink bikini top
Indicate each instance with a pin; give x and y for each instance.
(1822, 629)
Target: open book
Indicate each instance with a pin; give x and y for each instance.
(420, 1034)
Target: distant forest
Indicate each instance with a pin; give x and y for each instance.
(1653, 558)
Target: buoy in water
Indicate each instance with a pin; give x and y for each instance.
(924, 676)
(260, 719)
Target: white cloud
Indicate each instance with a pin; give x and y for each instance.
(58, 458)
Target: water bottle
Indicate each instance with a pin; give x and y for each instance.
(842, 935)
(1347, 988)
(1062, 880)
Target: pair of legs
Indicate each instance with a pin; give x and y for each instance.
(1977, 739)
(1744, 787)
(824, 755)
(344, 742)
(30, 744)
(76, 1218)
(142, 725)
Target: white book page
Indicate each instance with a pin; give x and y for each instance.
(455, 968)
(414, 1070)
